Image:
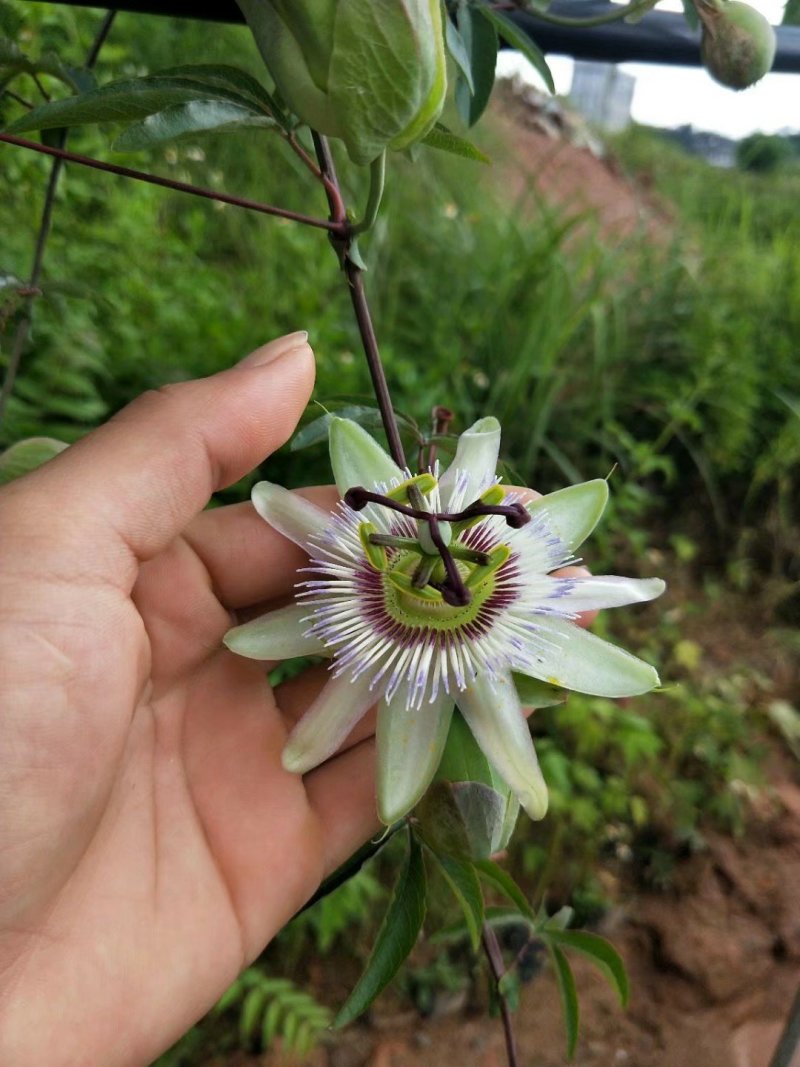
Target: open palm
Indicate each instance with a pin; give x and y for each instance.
(150, 842)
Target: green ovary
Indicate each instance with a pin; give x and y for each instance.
(425, 608)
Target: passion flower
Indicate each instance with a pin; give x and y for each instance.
(428, 592)
(371, 72)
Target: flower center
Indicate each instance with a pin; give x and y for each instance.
(437, 576)
(426, 607)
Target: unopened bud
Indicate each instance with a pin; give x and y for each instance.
(371, 72)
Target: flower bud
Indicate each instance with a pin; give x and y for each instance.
(371, 72)
(738, 44)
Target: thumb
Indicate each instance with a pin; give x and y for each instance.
(130, 487)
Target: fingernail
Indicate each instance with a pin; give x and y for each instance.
(272, 351)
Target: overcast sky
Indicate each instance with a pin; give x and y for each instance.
(674, 96)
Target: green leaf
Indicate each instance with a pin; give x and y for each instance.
(534, 693)
(509, 988)
(440, 137)
(26, 456)
(13, 61)
(458, 52)
(396, 938)
(129, 101)
(317, 430)
(464, 762)
(518, 39)
(690, 14)
(480, 40)
(500, 917)
(460, 876)
(188, 120)
(222, 77)
(503, 881)
(569, 997)
(601, 952)
(252, 1008)
(231, 995)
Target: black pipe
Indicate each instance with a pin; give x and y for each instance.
(658, 38)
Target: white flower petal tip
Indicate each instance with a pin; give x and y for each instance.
(410, 742)
(535, 803)
(280, 634)
(572, 513)
(493, 712)
(358, 459)
(289, 513)
(324, 727)
(474, 464)
(579, 660)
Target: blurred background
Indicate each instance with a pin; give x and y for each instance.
(621, 287)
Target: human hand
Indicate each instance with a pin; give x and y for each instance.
(150, 841)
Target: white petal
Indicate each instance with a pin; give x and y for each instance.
(494, 714)
(358, 459)
(328, 721)
(599, 591)
(289, 513)
(410, 746)
(573, 513)
(578, 660)
(276, 635)
(474, 464)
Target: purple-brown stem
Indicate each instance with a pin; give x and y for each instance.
(171, 183)
(358, 297)
(491, 947)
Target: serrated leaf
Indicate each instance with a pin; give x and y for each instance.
(503, 881)
(440, 137)
(601, 952)
(125, 101)
(462, 880)
(480, 40)
(396, 938)
(27, 455)
(458, 52)
(188, 120)
(569, 997)
(518, 39)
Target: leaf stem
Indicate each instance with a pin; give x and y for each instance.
(491, 946)
(358, 297)
(377, 178)
(45, 223)
(170, 183)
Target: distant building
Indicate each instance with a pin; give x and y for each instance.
(712, 147)
(603, 94)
